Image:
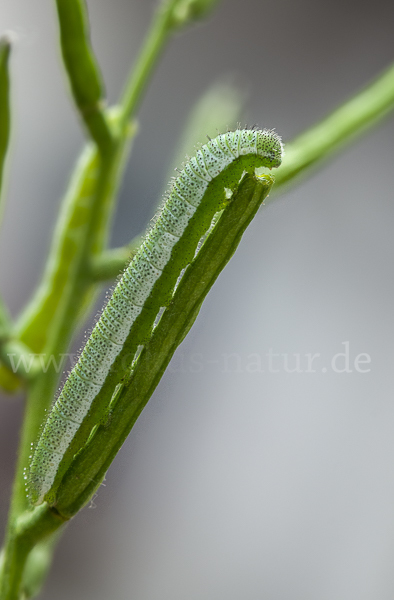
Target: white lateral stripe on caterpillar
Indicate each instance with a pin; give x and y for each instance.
(132, 291)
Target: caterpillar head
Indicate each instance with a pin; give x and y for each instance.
(269, 145)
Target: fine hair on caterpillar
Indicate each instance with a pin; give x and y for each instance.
(145, 288)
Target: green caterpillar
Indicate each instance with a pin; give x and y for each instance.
(147, 285)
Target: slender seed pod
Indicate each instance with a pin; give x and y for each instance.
(82, 69)
(147, 285)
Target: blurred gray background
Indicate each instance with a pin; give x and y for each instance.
(236, 482)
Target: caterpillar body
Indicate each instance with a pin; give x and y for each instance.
(147, 285)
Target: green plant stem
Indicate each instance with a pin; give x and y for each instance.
(348, 121)
(81, 231)
(47, 306)
(14, 354)
(159, 33)
(27, 531)
(19, 359)
(191, 10)
(5, 48)
(38, 564)
(5, 321)
(170, 16)
(114, 260)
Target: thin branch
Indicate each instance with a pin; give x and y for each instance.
(5, 321)
(171, 15)
(111, 263)
(341, 127)
(20, 360)
(27, 531)
(5, 47)
(159, 33)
